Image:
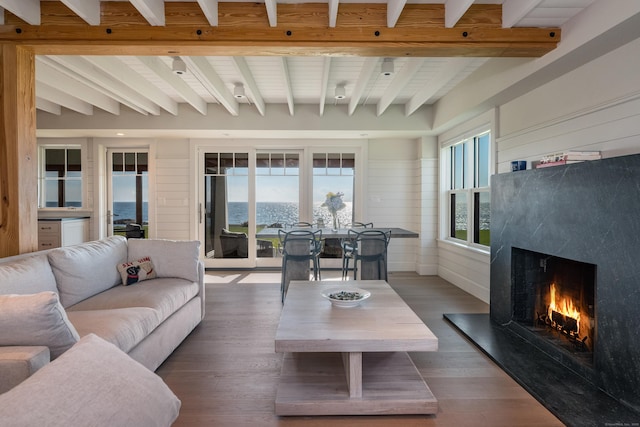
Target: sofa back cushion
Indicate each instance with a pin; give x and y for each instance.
(27, 276)
(84, 270)
(170, 258)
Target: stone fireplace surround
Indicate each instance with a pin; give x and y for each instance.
(588, 212)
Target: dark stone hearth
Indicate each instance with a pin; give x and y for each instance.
(567, 395)
(587, 212)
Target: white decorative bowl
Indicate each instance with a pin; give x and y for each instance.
(346, 296)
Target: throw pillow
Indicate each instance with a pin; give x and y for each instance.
(36, 319)
(136, 271)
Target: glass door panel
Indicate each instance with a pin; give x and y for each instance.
(277, 196)
(333, 188)
(226, 205)
(128, 193)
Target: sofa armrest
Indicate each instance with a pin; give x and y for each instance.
(17, 363)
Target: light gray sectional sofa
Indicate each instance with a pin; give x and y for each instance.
(92, 384)
(50, 299)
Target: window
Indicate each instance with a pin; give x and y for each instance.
(333, 179)
(469, 192)
(60, 177)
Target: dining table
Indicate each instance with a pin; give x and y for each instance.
(368, 272)
(339, 233)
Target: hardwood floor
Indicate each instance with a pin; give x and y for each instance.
(226, 372)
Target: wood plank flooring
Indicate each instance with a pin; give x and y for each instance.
(226, 372)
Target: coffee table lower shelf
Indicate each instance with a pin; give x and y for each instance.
(316, 384)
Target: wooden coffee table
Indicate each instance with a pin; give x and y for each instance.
(351, 361)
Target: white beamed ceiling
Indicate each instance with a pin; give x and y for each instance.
(147, 86)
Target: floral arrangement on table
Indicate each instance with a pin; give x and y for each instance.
(334, 203)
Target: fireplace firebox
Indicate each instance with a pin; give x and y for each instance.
(554, 298)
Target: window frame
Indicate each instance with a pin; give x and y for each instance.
(42, 148)
(469, 188)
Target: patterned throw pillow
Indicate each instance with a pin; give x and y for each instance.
(136, 271)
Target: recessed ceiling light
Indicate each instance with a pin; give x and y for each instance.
(119, 134)
(178, 66)
(238, 91)
(387, 67)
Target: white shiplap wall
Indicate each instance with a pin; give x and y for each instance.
(173, 190)
(595, 107)
(393, 190)
(428, 252)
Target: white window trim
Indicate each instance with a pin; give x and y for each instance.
(42, 146)
(469, 190)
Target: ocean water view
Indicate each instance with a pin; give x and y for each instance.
(124, 212)
(268, 213)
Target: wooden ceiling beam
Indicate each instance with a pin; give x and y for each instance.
(244, 29)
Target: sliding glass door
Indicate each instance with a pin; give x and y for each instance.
(225, 207)
(240, 192)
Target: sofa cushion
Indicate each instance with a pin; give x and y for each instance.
(136, 271)
(27, 276)
(165, 295)
(171, 258)
(123, 327)
(92, 384)
(36, 319)
(85, 270)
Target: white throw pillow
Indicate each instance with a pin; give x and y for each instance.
(36, 319)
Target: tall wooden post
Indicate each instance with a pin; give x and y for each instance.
(18, 152)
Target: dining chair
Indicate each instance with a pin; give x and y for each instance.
(299, 247)
(370, 251)
(319, 243)
(347, 246)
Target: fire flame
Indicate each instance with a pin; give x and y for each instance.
(563, 305)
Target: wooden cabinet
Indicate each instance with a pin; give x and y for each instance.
(56, 232)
